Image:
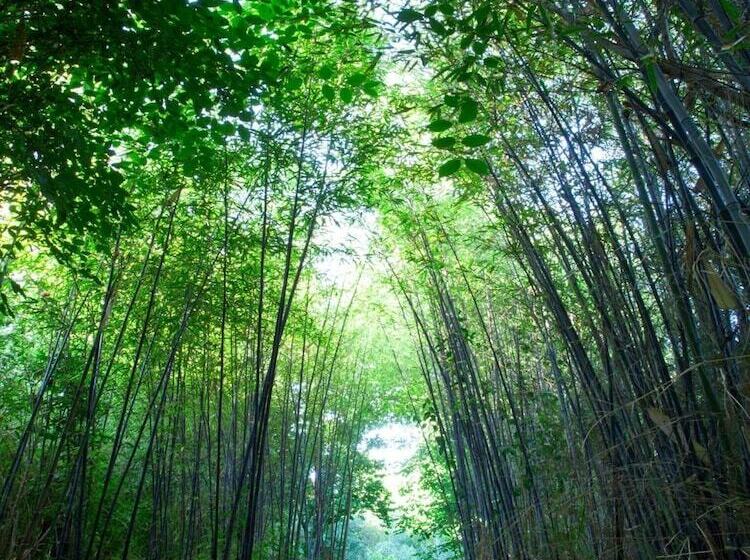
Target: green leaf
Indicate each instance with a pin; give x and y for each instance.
(545, 18)
(452, 100)
(530, 16)
(444, 143)
(731, 10)
(293, 83)
(447, 8)
(492, 61)
(475, 140)
(481, 13)
(328, 92)
(225, 128)
(503, 23)
(356, 79)
(478, 166)
(371, 88)
(5, 305)
(265, 11)
(438, 27)
(346, 94)
(326, 72)
(449, 167)
(439, 125)
(479, 47)
(16, 287)
(468, 112)
(408, 15)
(650, 68)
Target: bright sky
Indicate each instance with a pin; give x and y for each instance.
(393, 444)
(348, 238)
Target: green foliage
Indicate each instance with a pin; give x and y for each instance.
(556, 289)
(86, 111)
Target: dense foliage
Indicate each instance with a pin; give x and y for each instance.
(555, 290)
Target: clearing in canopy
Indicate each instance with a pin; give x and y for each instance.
(374, 279)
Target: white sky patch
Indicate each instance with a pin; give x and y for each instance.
(598, 154)
(393, 78)
(393, 444)
(117, 154)
(347, 239)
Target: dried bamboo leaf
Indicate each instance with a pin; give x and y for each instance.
(701, 453)
(662, 421)
(723, 295)
(690, 253)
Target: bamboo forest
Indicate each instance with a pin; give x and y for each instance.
(374, 279)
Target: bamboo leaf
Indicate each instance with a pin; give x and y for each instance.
(492, 61)
(450, 167)
(328, 92)
(502, 25)
(478, 166)
(662, 421)
(701, 453)
(439, 125)
(444, 143)
(452, 100)
(408, 15)
(356, 79)
(16, 287)
(723, 295)
(326, 72)
(650, 71)
(475, 140)
(469, 111)
(346, 95)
